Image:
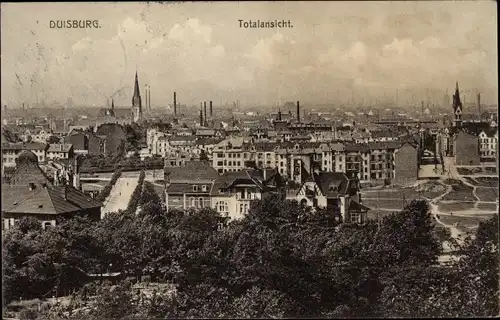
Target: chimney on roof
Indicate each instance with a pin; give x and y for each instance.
(175, 103)
(211, 110)
(298, 112)
(32, 186)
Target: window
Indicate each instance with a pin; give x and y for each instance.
(200, 202)
(222, 207)
(204, 188)
(355, 217)
(195, 188)
(192, 201)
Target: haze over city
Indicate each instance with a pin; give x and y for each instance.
(200, 51)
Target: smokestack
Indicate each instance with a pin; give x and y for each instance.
(479, 105)
(149, 98)
(298, 111)
(146, 94)
(211, 110)
(205, 109)
(201, 118)
(175, 103)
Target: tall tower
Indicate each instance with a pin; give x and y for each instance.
(112, 104)
(136, 101)
(457, 108)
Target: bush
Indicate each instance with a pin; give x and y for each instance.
(107, 189)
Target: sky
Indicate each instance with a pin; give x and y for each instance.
(334, 52)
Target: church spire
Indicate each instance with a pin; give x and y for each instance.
(136, 101)
(136, 86)
(112, 104)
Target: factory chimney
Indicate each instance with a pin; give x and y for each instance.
(422, 107)
(479, 105)
(175, 103)
(205, 109)
(149, 98)
(211, 110)
(201, 118)
(298, 112)
(146, 94)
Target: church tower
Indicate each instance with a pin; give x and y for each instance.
(457, 109)
(136, 102)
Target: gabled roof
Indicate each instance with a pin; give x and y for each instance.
(332, 184)
(192, 172)
(48, 200)
(57, 147)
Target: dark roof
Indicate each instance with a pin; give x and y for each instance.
(356, 147)
(332, 184)
(358, 207)
(384, 145)
(490, 132)
(192, 172)
(253, 176)
(49, 200)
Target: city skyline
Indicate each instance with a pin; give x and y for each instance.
(199, 51)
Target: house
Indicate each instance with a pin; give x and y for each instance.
(488, 139)
(232, 192)
(466, 149)
(189, 186)
(114, 138)
(335, 192)
(60, 151)
(406, 164)
(32, 194)
(10, 152)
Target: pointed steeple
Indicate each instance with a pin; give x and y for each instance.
(136, 86)
(136, 101)
(112, 104)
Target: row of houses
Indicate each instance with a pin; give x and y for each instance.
(43, 151)
(198, 185)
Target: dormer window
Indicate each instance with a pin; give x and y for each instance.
(204, 188)
(195, 188)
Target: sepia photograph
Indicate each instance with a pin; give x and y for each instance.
(249, 159)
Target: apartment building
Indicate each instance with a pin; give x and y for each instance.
(488, 140)
(466, 149)
(11, 151)
(228, 156)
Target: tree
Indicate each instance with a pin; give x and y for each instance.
(53, 139)
(204, 156)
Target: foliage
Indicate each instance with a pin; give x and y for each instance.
(134, 137)
(136, 195)
(53, 139)
(280, 260)
(107, 189)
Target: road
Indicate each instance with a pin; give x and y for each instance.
(120, 195)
